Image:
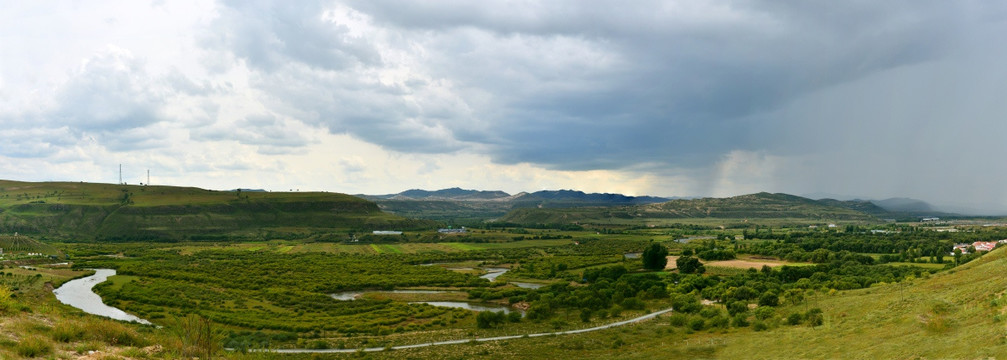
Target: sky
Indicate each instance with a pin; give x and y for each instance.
(853, 99)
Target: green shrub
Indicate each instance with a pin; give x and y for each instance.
(737, 307)
(696, 324)
(632, 304)
(719, 322)
(709, 312)
(814, 317)
(764, 312)
(7, 304)
(794, 319)
(769, 298)
(318, 345)
(678, 320)
(759, 326)
(740, 320)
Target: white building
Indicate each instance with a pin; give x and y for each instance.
(386, 232)
(452, 231)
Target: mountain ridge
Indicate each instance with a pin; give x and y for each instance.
(477, 205)
(750, 206)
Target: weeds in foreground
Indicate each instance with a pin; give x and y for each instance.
(198, 336)
(33, 346)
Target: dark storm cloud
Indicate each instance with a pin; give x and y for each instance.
(586, 85)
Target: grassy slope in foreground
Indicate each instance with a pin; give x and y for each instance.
(753, 206)
(108, 211)
(949, 315)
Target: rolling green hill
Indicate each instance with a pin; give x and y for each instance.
(87, 211)
(753, 206)
(919, 319)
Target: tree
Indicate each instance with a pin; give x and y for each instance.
(690, 265)
(655, 257)
(794, 296)
(814, 317)
(737, 307)
(769, 298)
(487, 319)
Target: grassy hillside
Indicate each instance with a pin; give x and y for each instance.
(956, 314)
(445, 210)
(82, 211)
(754, 206)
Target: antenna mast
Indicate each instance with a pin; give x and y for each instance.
(120, 174)
(148, 177)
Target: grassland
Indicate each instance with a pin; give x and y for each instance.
(270, 286)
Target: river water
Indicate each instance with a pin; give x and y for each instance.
(353, 295)
(527, 285)
(470, 306)
(79, 294)
(493, 273)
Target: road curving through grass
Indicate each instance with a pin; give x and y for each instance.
(464, 341)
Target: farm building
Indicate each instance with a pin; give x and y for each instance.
(452, 231)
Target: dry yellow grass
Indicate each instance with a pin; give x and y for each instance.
(671, 263)
(745, 264)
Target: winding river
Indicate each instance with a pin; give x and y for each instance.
(80, 294)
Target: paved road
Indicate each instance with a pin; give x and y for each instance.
(463, 341)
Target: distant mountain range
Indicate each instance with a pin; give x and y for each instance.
(569, 205)
(461, 204)
(753, 206)
(545, 198)
(569, 198)
(892, 208)
(454, 194)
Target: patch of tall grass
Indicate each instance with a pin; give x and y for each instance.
(112, 333)
(68, 331)
(33, 346)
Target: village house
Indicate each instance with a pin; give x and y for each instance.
(452, 231)
(978, 246)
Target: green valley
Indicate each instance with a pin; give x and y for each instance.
(241, 274)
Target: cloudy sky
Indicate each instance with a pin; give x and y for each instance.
(674, 98)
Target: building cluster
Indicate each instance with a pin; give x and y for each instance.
(978, 246)
(460, 230)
